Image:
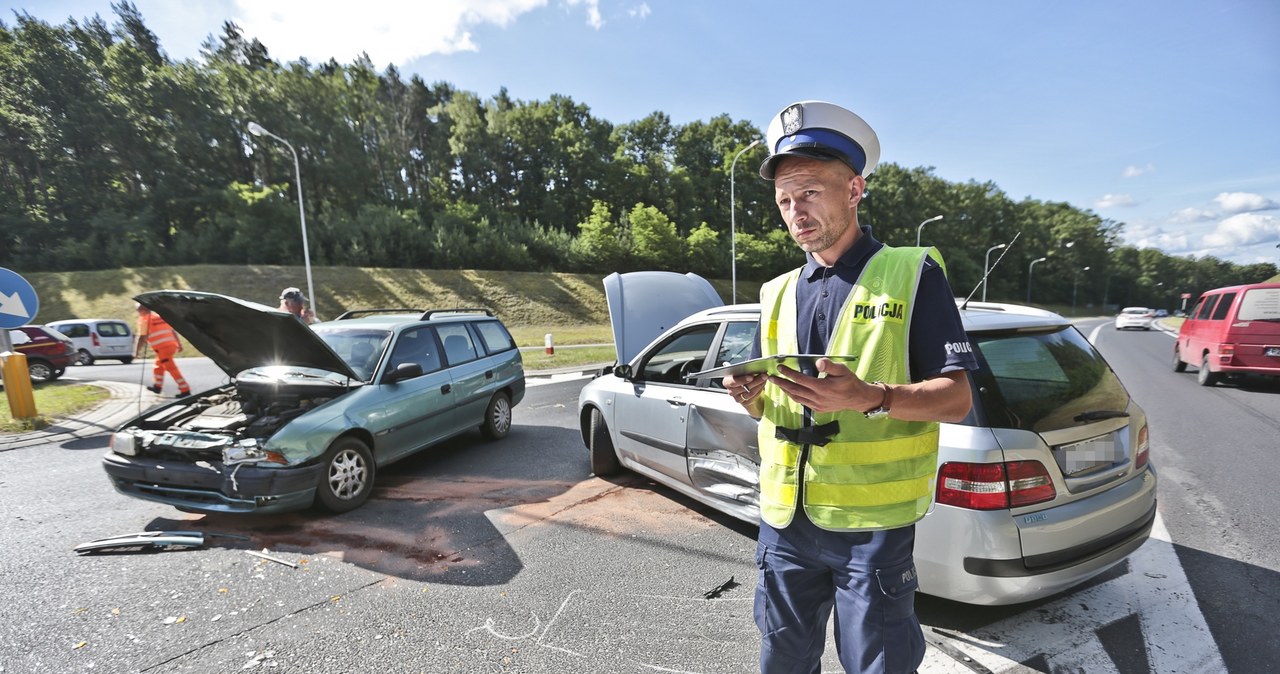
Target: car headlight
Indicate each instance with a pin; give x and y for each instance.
(124, 442)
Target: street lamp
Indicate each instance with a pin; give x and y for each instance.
(1074, 283)
(986, 268)
(257, 130)
(921, 227)
(733, 228)
(1031, 268)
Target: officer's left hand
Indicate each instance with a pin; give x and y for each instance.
(840, 389)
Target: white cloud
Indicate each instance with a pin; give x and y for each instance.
(1244, 202)
(1135, 171)
(391, 32)
(1244, 229)
(593, 11)
(640, 11)
(1115, 201)
(1190, 215)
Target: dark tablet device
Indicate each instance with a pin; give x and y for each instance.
(806, 364)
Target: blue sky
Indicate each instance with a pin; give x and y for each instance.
(1160, 115)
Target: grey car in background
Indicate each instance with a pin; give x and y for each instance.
(1047, 483)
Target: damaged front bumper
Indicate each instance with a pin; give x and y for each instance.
(214, 487)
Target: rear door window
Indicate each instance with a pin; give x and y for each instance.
(1224, 306)
(1260, 304)
(1042, 381)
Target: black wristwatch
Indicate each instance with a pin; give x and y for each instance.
(885, 403)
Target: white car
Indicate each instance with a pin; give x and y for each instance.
(96, 338)
(1044, 485)
(1138, 318)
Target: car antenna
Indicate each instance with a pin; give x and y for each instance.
(988, 272)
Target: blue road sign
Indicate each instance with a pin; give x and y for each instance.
(18, 301)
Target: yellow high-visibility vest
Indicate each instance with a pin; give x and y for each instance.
(873, 473)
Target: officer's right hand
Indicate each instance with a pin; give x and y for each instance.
(744, 387)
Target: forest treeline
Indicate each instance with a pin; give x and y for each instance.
(114, 155)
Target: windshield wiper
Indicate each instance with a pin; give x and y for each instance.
(1096, 415)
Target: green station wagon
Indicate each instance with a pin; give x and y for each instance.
(312, 413)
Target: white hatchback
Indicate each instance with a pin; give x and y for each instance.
(96, 338)
(1047, 483)
(1138, 318)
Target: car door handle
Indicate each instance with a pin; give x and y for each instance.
(446, 388)
(676, 401)
(488, 374)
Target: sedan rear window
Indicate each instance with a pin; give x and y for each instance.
(1041, 381)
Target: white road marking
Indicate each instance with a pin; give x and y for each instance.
(1175, 634)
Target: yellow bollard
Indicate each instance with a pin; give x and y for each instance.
(17, 385)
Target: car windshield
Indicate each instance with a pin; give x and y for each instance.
(1137, 312)
(1260, 304)
(361, 348)
(1041, 381)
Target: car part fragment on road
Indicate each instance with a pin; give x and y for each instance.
(269, 558)
(153, 539)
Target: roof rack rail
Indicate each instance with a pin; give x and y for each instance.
(460, 310)
(365, 312)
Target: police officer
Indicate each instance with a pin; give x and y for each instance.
(848, 451)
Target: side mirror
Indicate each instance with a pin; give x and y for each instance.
(403, 371)
(622, 371)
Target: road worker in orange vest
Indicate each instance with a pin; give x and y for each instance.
(164, 342)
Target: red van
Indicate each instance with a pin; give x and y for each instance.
(1234, 330)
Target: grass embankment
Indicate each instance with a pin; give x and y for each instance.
(53, 399)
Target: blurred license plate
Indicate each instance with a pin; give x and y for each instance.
(1091, 455)
(1272, 351)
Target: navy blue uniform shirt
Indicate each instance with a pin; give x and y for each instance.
(938, 340)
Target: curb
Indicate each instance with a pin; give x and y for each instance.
(125, 402)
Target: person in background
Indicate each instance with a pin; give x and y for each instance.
(293, 301)
(153, 331)
(849, 451)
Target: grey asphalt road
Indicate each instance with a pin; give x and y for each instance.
(511, 557)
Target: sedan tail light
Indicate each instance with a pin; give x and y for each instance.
(994, 486)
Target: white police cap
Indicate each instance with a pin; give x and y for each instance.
(821, 130)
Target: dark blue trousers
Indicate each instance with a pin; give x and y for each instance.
(869, 578)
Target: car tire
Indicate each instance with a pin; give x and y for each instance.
(1178, 364)
(41, 371)
(127, 360)
(497, 417)
(83, 358)
(1206, 377)
(604, 460)
(347, 479)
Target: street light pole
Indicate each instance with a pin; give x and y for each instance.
(1031, 268)
(733, 227)
(257, 130)
(1074, 283)
(921, 227)
(986, 268)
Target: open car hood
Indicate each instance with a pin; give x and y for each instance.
(644, 304)
(238, 335)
